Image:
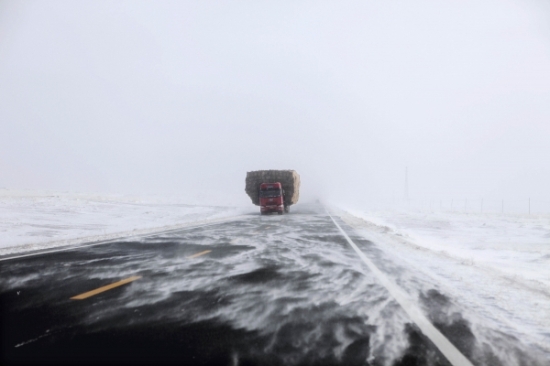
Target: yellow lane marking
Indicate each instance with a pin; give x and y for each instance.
(199, 254)
(105, 288)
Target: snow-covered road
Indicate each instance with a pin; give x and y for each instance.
(268, 290)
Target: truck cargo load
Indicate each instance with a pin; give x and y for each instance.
(289, 179)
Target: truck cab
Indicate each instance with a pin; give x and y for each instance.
(272, 198)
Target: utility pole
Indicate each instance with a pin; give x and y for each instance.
(406, 184)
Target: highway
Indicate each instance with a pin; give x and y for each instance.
(297, 289)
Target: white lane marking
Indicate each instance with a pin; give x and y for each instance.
(443, 344)
(34, 339)
(107, 241)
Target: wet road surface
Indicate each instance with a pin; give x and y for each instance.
(260, 290)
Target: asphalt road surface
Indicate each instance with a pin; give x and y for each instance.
(258, 290)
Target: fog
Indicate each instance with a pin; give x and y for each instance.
(183, 98)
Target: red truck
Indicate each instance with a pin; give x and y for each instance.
(272, 198)
(273, 190)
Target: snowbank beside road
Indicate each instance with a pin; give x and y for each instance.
(40, 220)
(516, 244)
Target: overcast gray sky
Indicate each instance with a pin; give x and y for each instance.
(186, 96)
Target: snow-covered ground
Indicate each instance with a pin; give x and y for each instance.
(31, 220)
(497, 266)
(517, 245)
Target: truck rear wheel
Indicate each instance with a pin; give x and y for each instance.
(287, 209)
